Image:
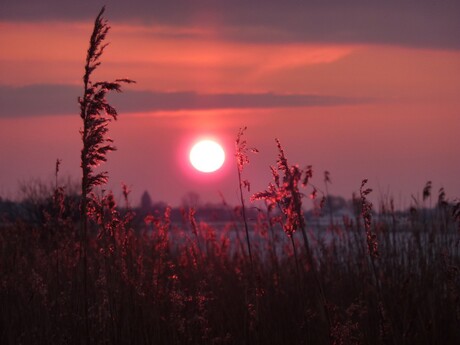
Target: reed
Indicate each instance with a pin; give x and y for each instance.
(96, 114)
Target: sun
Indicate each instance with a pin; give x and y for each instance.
(207, 156)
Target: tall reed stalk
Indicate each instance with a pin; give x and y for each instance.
(96, 114)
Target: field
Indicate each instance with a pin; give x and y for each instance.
(147, 280)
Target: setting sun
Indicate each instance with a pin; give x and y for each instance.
(207, 156)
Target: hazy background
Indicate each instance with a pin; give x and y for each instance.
(362, 89)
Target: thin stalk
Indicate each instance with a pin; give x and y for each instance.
(246, 228)
(241, 156)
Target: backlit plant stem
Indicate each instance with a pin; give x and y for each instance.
(242, 159)
(96, 114)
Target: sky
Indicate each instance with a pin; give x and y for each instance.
(362, 89)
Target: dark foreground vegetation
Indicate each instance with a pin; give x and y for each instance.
(84, 271)
(157, 282)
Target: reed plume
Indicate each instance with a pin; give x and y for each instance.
(96, 114)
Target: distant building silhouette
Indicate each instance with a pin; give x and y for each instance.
(146, 202)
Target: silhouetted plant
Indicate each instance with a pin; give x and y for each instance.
(241, 154)
(456, 213)
(427, 190)
(327, 182)
(284, 191)
(374, 254)
(96, 114)
(366, 211)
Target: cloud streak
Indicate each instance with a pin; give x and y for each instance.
(42, 100)
(418, 23)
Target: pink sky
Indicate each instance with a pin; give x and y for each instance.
(388, 110)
